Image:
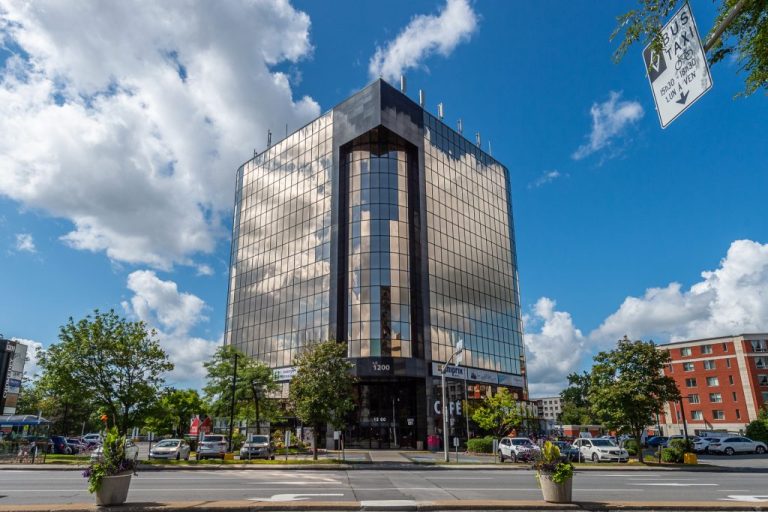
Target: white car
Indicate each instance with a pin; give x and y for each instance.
(212, 446)
(737, 444)
(514, 448)
(702, 445)
(598, 450)
(131, 451)
(93, 439)
(170, 449)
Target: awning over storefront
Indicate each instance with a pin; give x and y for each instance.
(20, 420)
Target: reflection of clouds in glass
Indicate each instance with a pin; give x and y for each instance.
(473, 288)
(281, 243)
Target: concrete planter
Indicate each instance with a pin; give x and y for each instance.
(554, 492)
(114, 489)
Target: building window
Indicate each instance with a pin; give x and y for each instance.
(706, 349)
(762, 380)
(690, 383)
(685, 352)
(761, 362)
(738, 414)
(735, 396)
(693, 399)
(765, 397)
(709, 364)
(728, 363)
(715, 398)
(718, 415)
(725, 347)
(712, 381)
(730, 380)
(759, 345)
(688, 367)
(696, 415)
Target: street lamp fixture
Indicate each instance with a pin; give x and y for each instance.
(458, 355)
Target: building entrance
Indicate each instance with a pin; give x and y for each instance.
(386, 416)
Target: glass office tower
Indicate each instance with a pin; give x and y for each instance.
(379, 226)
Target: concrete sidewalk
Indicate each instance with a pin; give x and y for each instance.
(393, 505)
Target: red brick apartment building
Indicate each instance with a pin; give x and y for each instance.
(724, 382)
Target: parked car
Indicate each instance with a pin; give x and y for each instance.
(131, 451)
(610, 438)
(93, 439)
(170, 449)
(737, 444)
(567, 450)
(598, 450)
(59, 445)
(212, 446)
(77, 445)
(515, 448)
(702, 445)
(671, 438)
(656, 441)
(257, 446)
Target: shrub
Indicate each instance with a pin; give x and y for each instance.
(758, 430)
(681, 445)
(631, 446)
(480, 445)
(671, 455)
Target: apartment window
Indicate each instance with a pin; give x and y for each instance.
(738, 414)
(761, 362)
(696, 415)
(735, 396)
(725, 347)
(765, 397)
(762, 380)
(728, 363)
(759, 345)
(690, 383)
(693, 399)
(712, 381)
(688, 367)
(718, 415)
(730, 380)
(706, 349)
(709, 364)
(715, 398)
(685, 352)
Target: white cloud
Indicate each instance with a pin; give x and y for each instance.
(423, 36)
(732, 299)
(546, 177)
(173, 314)
(204, 270)
(554, 351)
(129, 119)
(610, 119)
(25, 242)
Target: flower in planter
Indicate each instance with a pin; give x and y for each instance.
(551, 463)
(113, 461)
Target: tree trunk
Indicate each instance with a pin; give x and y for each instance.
(638, 438)
(315, 440)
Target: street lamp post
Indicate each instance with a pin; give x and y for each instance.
(232, 404)
(456, 353)
(256, 395)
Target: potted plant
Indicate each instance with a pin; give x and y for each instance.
(109, 475)
(554, 474)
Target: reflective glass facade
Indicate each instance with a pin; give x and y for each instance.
(379, 226)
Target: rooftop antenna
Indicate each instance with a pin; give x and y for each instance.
(402, 84)
(477, 138)
(490, 150)
(254, 152)
(461, 127)
(440, 110)
(269, 138)
(421, 98)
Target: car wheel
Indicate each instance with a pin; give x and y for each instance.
(514, 457)
(272, 457)
(186, 457)
(595, 458)
(178, 456)
(501, 457)
(760, 450)
(729, 451)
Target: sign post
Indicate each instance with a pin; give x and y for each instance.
(679, 75)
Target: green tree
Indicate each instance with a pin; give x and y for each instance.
(255, 380)
(63, 404)
(498, 413)
(575, 409)
(173, 411)
(746, 37)
(628, 386)
(115, 364)
(321, 390)
(758, 429)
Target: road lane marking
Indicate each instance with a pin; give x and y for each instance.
(674, 484)
(740, 497)
(387, 503)
(292, 497)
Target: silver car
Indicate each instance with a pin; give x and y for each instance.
(213, 446)
(737, 444)
(170, 449)
(598, 450)
(131, 451)
(257, 446)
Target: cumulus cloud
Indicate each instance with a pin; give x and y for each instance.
(422, 37)
(546, 177)
(25, 242)
(129, 119)
(172, 314)
(610, 120)
(204, 270)
(554, 348)
(731, 299)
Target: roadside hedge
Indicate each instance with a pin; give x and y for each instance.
(480, 445)
(631, 446)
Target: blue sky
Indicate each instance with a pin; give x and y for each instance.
(120, 134)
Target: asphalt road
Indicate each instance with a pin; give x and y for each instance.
(21, 487)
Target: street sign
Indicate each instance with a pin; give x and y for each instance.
(679, 75)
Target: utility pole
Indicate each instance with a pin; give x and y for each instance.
(232, 404)
(459, 350)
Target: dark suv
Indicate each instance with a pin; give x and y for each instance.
(58, 444)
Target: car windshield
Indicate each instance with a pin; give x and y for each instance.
(521, 442)
(259, 439)
(213, 439)
(168, 443)
(602, 442)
